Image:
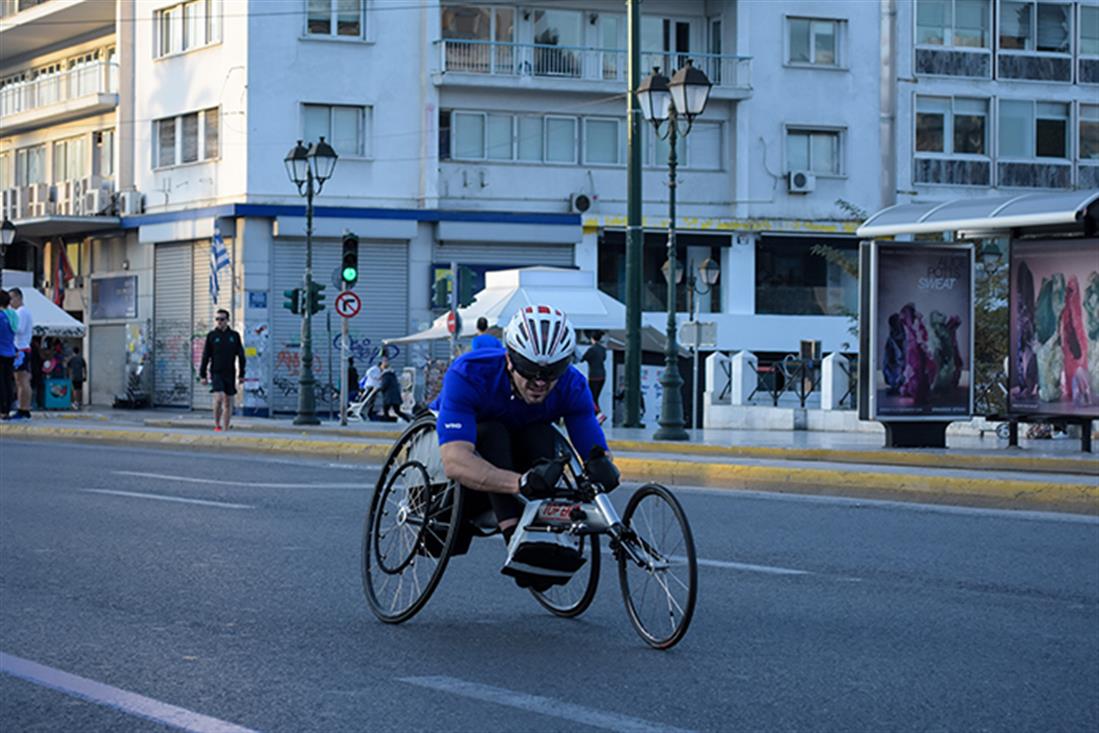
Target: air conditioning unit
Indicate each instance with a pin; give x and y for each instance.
(96, 201)
(801, 182)
(133, 203)
(579, 203)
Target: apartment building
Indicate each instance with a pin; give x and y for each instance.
(469, 133)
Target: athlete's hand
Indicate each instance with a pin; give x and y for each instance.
(602, 470)
(540, 482)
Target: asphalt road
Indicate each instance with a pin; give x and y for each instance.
(246, 608)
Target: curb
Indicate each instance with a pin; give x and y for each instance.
(1080, 498)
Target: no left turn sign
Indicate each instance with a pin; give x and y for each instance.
(348, 304)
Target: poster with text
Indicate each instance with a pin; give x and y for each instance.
(1053, 365)
(923, 331)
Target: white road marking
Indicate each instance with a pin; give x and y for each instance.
(742, 566)
(221, 504)
(249, 484)
(127, 702)
(541, 705)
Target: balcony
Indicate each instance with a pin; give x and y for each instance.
(47, 100)
(67, 207)
(492, 63)
(26, 26)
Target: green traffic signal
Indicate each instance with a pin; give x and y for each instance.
(316, 297)
(466, 286)
(349, 271)
(440, 293)
(293, 300)
(350, 274)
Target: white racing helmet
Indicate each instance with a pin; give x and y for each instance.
(540, 342)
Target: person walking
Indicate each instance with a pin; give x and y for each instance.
(78, 371)
(8, 325)
(484, 339)
(223, 348)
(372, 387)
(23, 359)
(391, 393)
(595, 357)
(352, 379)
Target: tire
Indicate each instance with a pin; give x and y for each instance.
(402, 564)
(573, 598)
(657, 531)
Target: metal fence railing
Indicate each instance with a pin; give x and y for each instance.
(99, 77)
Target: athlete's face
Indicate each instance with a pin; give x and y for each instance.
(532, 391)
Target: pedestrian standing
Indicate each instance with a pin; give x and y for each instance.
(352, 379)
(484, 339)
(222, 351)
(595, 357)
(372, 386)
(78, 371)
(23, 358)
(8, 325)
(391, 393)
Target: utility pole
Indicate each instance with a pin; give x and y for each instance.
(634, 233)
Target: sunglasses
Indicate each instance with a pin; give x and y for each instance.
(221, 320)
(532, 372)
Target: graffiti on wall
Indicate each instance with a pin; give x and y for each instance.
(256, 339)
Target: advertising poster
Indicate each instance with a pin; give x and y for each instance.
(114, 298)
(923, 331)
(1053, 364)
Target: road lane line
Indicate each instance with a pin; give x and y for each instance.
(113, 697)
(750, 568)
(250, 484)
(181, 500)
(541, 705)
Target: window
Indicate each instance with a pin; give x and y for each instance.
(560, 139)
(187, 26)
(701, 149)
(951, 125)
(814, 41)
(104, 153)
(818, 151)
(70, 159)
(1033, 129)
(30, 165)
(344, 127)
(187, 138)
(1089, 132)
(1089, 30)
(604, 142)
(792, 280)
(1031, 26)
(530, 138)
(557, 34)
(959, 23)
(335, 18)
(6, 177)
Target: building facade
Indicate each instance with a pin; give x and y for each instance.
(132, 134)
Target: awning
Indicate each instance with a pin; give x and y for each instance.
(61, 226)
(49, 320)
(983, 214)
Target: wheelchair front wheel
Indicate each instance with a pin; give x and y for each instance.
(657, 567)
(573, 598)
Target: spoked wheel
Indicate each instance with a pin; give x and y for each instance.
(657, 568)
(410, 528)
(573, 598)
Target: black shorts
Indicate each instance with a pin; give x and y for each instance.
(226, 383)
(26, 365)
(78, 384)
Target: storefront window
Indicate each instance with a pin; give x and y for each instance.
(792, 280)
(692, 248)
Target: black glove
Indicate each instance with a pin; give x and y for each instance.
(540, 482)
(602, 470)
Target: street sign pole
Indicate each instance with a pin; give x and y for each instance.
(328, 330)
(344, 349)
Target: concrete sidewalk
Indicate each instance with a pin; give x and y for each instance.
(1043, 474)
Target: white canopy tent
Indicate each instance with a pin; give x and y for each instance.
(49, 320)
(573, 291)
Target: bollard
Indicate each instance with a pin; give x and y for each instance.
(744, 377)
(834, 381)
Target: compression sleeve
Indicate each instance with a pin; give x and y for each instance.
(580, 421)
(457, 414)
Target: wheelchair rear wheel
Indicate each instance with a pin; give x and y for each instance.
(411, 526)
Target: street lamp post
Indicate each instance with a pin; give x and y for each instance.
(7, 236)
(708, 273)
(308, 169)
(663, 101)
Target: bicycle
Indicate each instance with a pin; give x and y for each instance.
(419, 520)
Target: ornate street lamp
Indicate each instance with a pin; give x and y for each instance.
(708, 273)
(7, 236)
(661, 102)
(308, 169)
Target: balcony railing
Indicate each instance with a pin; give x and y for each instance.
(11, 7)
(100, 77)
(574, 62)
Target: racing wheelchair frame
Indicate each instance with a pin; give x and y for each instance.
(419, 520)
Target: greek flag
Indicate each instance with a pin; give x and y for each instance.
(219, 259)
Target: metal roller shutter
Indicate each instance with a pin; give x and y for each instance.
(203, 314)
(519, 255)
(172, 325)
(383, 288)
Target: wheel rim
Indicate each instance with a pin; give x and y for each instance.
(658, 576)
(574, 596)
(399, 522)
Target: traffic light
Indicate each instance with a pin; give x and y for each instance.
(349, 269)
(440, 292)
(465, 286)
(293, 300)
(316, 297)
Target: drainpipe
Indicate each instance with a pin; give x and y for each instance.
(888, 95)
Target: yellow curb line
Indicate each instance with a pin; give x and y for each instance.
(898, 458)
(640, 469)
(373, 434)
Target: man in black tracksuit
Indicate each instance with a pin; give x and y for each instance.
(223, 348)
